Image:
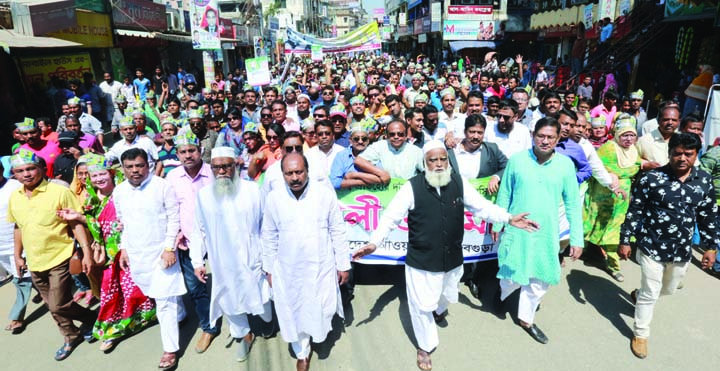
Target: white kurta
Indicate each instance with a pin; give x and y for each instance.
(228, 231)
(149, 214)
(274, 177)
(304, 245)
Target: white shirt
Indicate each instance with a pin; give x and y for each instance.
(599, 171)
(468, 162)
(228, 231)
(516, 141)
(129, 92)
(530, 118)
(7, 240)
(404, 201)
(274, 176)
(150, 217)
(145, 143)
(455, 124)
(304, 246)
(90, 125)
(323, 159)
(112, 90)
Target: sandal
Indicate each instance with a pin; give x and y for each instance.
(67, 349)
(167, 361)
(107, 345)
(15, 326)
(423, 360)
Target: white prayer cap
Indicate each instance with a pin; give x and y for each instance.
(431, 145)
(219, 152)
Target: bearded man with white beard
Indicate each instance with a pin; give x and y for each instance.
(435, 203)
(228, 217)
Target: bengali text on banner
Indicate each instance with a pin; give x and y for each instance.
(363, 207)
(364, 38)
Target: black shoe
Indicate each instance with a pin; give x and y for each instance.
(633, 296)
(536, 333)
(474, 289)
(440, 317)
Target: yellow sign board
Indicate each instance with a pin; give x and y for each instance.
(92, 30)
(65, 67)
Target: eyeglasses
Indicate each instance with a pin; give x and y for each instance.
(289, 149)
(225, 167)
(393, 134)
(266, 115)
(324, 134)
(271, 137)
(360, 139)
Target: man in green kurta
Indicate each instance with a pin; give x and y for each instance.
(535, 181)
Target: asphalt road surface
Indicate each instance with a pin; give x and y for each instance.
(587, 317)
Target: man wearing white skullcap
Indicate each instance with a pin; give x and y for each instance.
(433, 265)
(232, 249)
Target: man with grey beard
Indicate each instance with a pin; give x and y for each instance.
(226, 228)
(433, 265)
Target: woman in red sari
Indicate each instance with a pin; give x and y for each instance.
(124, 309)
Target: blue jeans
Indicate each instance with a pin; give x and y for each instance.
(198, 292)
(81, 282)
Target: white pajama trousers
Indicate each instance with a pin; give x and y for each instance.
(170, 311)
(530, 296)
(657, 279)
(239, 325)
(428, 292)
(301, 347)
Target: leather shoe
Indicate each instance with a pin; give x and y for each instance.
(440, 317)
(639, 347)
(474, 289)
(303, 364)
(536, 333)
(204, 343)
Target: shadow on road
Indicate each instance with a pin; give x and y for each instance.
(605, 296)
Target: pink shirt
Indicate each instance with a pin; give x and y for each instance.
(186, 189)
(49, 153)
(600, 110)
(90, 141)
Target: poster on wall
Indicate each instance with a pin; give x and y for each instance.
(588, 17)
(205, 24)
(259, 46)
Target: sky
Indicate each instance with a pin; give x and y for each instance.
(369, 5)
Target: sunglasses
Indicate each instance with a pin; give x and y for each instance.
(319, 116)
(234, 118)
(372, 95)
(394, 134)
(289, 149)
(271, 137)
(324, 134)
(360, 139)
(266, 115)
(505, 118)
(327, 93)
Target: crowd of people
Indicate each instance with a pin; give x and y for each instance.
(128, 207)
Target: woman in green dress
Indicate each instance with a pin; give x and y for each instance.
(604, 211)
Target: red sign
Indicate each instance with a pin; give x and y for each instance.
(470, 9)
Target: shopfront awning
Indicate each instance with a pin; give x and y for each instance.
(15, 40)
(458, 45)
(134, 33)
(567, 16)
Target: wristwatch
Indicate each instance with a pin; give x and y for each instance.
(170, 249)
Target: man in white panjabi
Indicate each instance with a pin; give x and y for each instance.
(228, 216)
(305, 255)
(147, 208)
(434, 202)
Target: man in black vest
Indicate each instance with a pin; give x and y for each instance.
(435, 202)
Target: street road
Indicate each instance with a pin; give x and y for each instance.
(588, 318)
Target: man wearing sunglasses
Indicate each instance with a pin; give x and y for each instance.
(393, 157)
(326, 149)
(293, 142)
(338, 117)
(251, 111)
(65, 163)
(343, 173)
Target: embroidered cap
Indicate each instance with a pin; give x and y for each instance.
(187, 138)
(95, 162)
(24, 157)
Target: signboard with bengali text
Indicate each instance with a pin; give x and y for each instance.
(362, 208)
(41, 69)
(137, 14)
(469, 30)
(470, 9)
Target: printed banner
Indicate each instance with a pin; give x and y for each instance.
(258, 71)
(679, 8)
(366, 37)
(137, 14)
(588, 17)
(206, 26)
(208, 68)
(40, 70)
(470, 9)
(469, 30)
(259, 46)
(362, 208)
(91, 30)
(317, 53)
